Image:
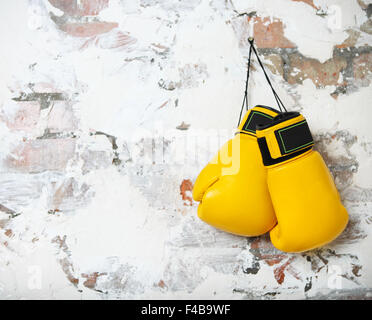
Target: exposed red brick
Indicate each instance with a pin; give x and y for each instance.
(8, 233)
(89, 29)
(351, 40)
(309, 2)
(279, 272)
(259, 243)
(264, 250)
(277, 64)
(91, 279)
(185, 190)
(80, 8)
(41, 155)
(162, 284)
(270, 33)
(68, 269)
(122, 40)
(25, 118)
(61, 242)
(118, 40)
(66, 264)
(362, 65)
(112, 40)
(322, 74)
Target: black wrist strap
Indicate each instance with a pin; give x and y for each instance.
(245, 99)
(286, 137)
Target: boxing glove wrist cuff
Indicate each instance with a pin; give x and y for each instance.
(286, 137)
(258, 115)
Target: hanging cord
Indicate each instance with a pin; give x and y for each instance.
(245, 99)
(279, 102)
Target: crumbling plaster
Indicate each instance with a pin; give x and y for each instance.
(108, 111)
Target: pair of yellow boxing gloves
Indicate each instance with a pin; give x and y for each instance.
(269, 178)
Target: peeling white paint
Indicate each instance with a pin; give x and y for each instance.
(126, 220)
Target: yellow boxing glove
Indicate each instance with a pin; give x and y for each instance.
(232, 188)
(306, 201)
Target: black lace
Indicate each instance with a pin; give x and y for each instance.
(245, 99)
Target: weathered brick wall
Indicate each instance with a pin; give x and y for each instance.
(108, 111)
